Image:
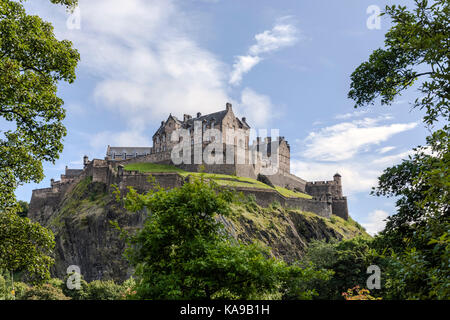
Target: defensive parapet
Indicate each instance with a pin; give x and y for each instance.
(326, 199)
(333, 188)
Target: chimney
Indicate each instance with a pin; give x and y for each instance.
(186, 117)
(199, 115)
(229, 107)
(244, 119)
(162, 123)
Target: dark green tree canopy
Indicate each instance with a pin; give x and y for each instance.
(25, 247)
(184, 252)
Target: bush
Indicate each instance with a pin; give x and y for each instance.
(104, 290)
(129, 289)
(44, 292)
(5, 289)
(7, 292)
(75, 294)
(20, 289)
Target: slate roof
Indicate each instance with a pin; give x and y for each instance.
(217, 117)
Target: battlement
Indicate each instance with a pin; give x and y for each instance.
(321, 183)
(265, 153)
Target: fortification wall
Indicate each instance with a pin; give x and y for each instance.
(324, 202)
(288, 181)
(340, 207)
(265, 197)
(318, 188)
(142, 182)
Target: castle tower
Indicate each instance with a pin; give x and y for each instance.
(338, 180)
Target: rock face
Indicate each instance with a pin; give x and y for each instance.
(81, 221)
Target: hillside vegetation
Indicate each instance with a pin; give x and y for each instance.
(85, 237)
(220, 179)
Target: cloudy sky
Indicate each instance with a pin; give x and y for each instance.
(283, 64)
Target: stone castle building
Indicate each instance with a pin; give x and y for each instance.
(239, 157)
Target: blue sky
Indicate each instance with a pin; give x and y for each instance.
(283, 64)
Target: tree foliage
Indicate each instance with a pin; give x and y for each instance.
(183, 251)
(415, 242)
(348, 260)
(32, 62)
(417, 46)
(25, 246)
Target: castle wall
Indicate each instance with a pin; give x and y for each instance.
(289, 181)
(340, 207)
(142, 183)
(246, 170)
(265, 198)
(327, 196)
(324, 187)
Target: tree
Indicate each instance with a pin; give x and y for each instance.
(417, 46)
(418, 234)
(183, 251)
(348, 260)
(32, 62)
(25, 247)
(416, 238)
(24, 208)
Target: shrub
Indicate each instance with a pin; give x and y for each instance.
(129, 289)
(20, 289)
(44, 292)
(75, 294)
(104, 290)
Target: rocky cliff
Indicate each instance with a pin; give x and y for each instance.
(84, 236)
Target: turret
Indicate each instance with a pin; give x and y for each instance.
(338, 178)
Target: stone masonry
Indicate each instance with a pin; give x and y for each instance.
(327, 195)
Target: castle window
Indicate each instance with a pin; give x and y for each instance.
(164, 138)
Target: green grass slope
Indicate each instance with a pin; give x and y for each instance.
(220, 179)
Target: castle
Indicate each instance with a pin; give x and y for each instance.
(215, 143)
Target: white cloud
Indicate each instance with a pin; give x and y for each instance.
(349, 115)
(242, 65)
(256, 107)
(282, 35)
(356, 177)
(100, 140)
(389, 160)
(344, 140)
(375, 222)
(386, 149)
(346, 148)
(146, 62)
